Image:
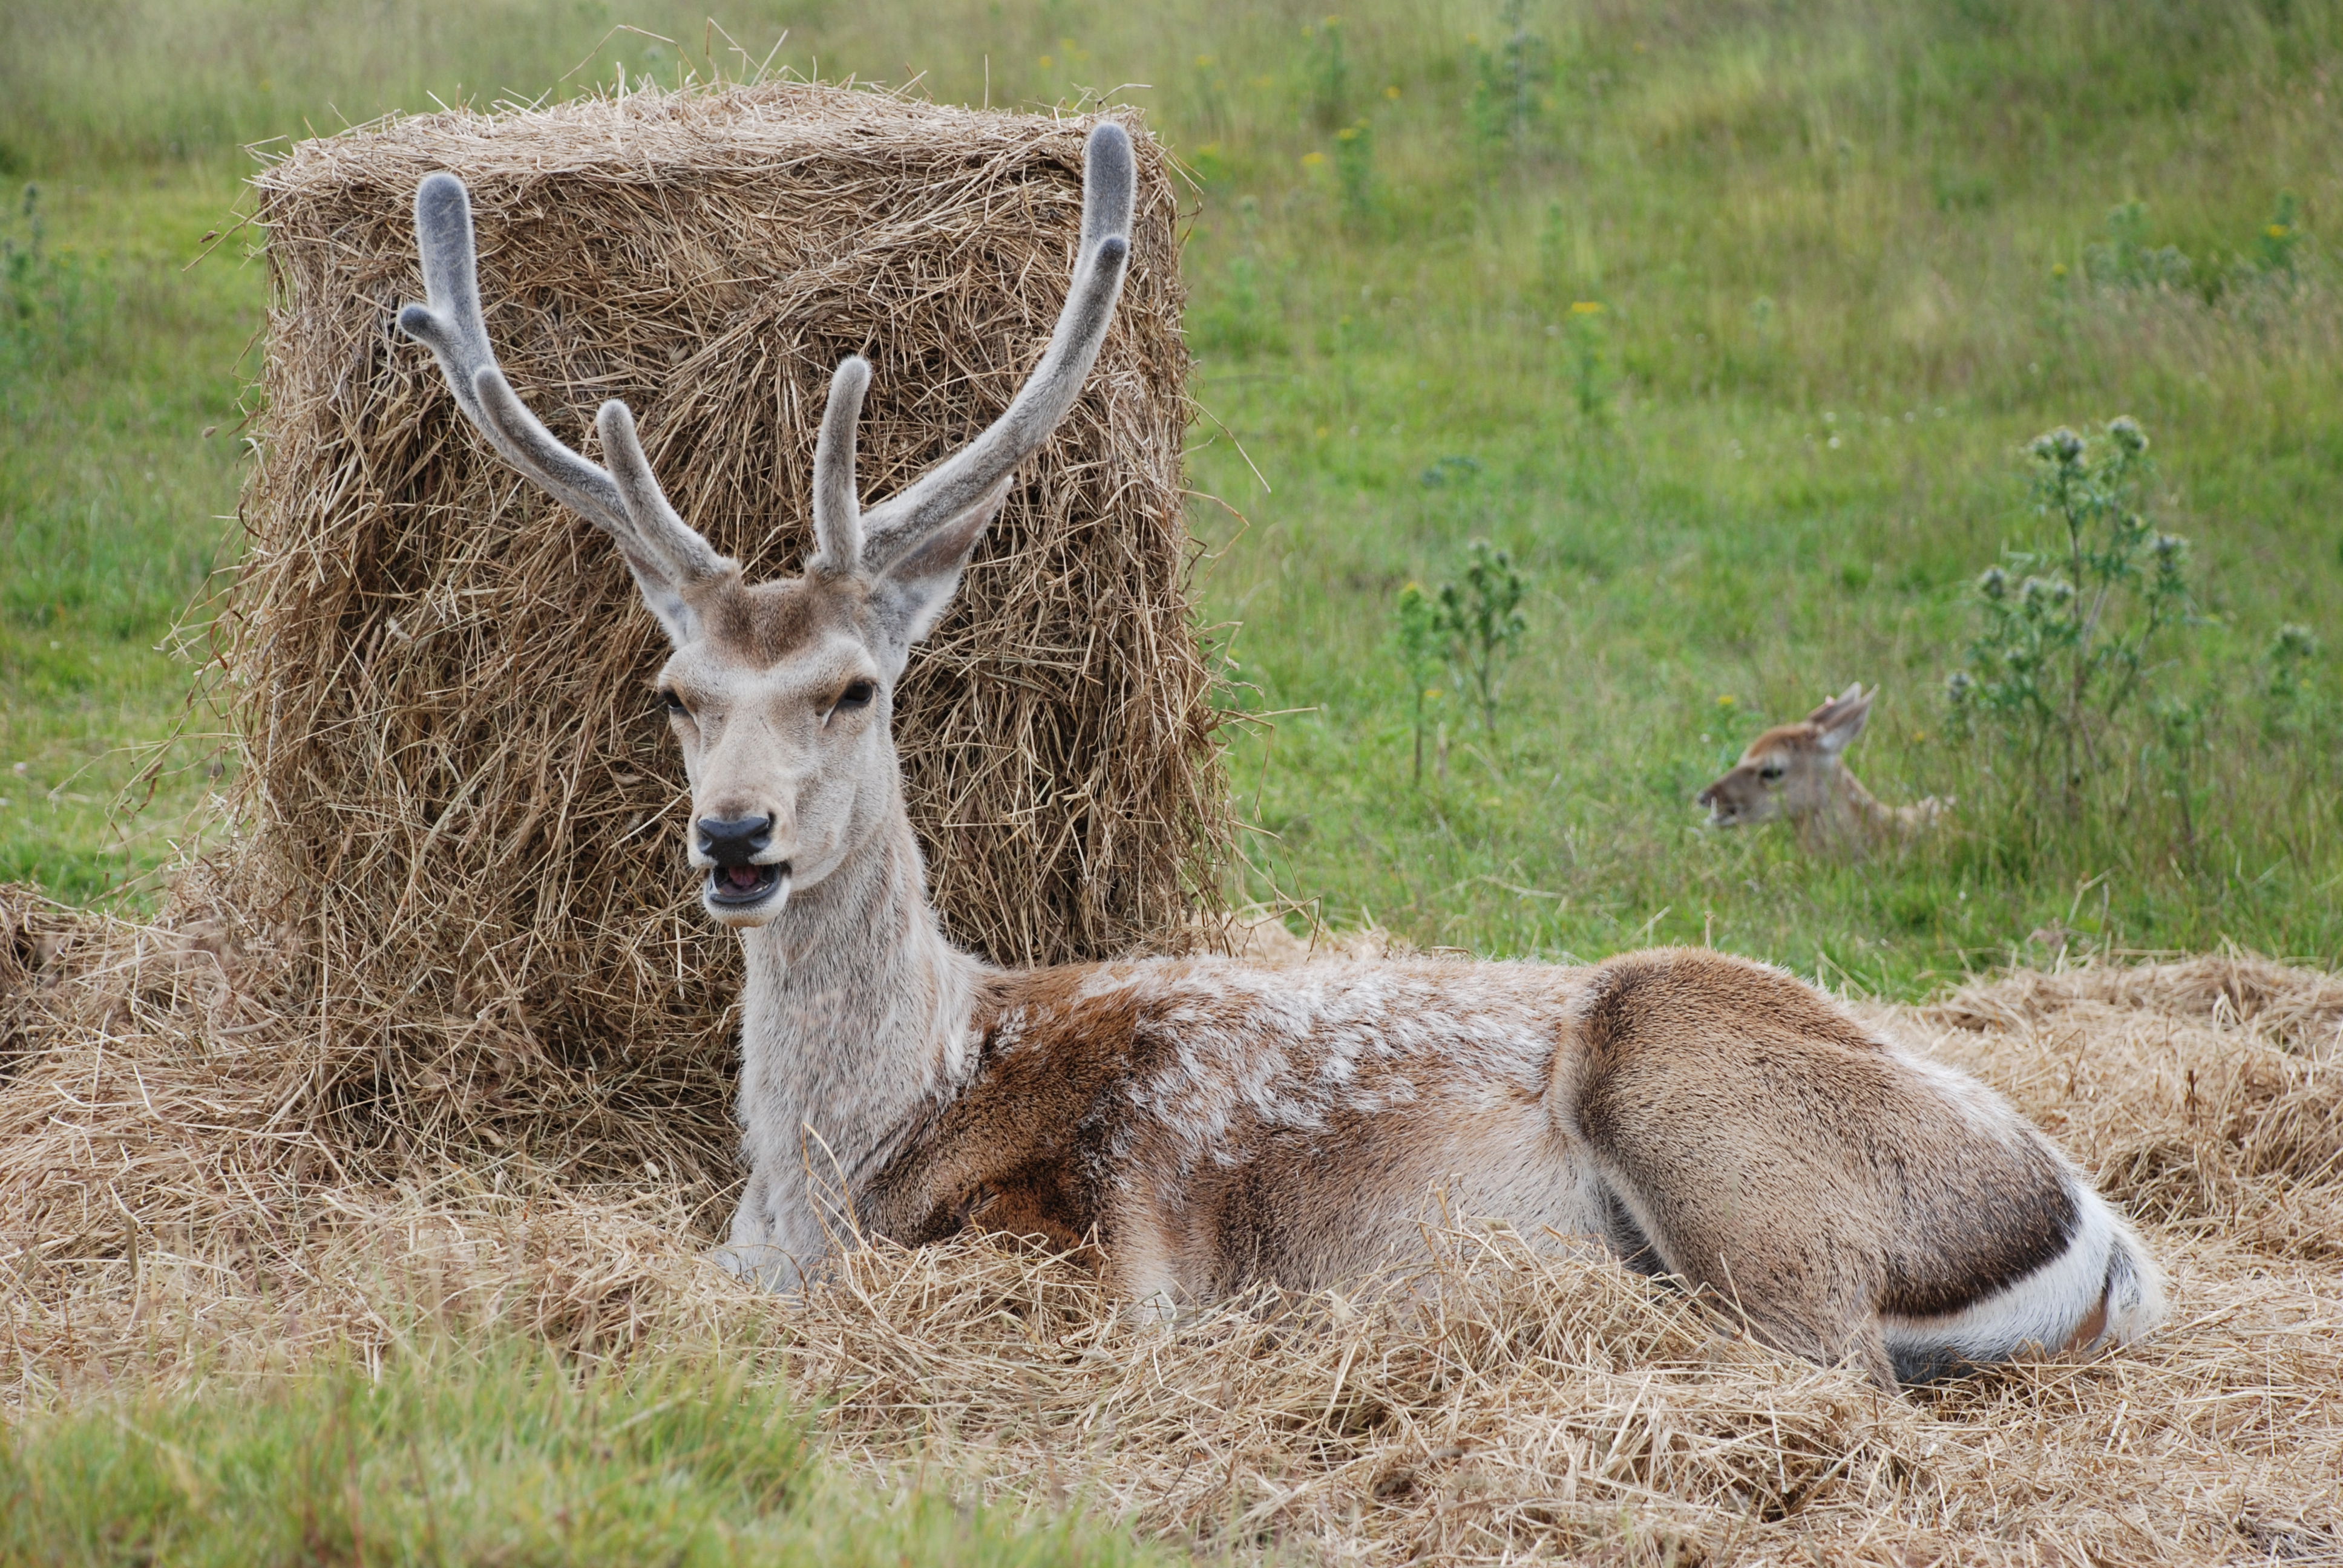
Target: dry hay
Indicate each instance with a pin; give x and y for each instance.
(1515, 1406)
(37, 939)
(461, 805)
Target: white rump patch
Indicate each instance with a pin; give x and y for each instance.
(2039, 1313)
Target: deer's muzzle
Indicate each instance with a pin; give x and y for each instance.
(736, 883)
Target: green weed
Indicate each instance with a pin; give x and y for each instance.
(1416, 638)
(1355, 172)
(2125, 259)
(48, 302)
(2065, 651)
(2281, 237)
(1510, 80)
(1329, 71)
(1481, 624)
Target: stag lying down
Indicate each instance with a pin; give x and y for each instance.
(1196, 1125)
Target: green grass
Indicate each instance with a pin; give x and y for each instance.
(118, 467)
(493, 1455)
(1844, 260)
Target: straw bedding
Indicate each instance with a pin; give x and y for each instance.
(459, 795)
(162, 1211)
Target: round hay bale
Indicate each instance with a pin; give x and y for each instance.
(457, 782)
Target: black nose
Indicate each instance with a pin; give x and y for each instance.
(735, 840)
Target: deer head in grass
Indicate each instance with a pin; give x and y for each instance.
(1798, 773)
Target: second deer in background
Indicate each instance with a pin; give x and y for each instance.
(1797, 773)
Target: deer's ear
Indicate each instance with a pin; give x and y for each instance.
(1841, 719)
(1831, 707)
(911, 591)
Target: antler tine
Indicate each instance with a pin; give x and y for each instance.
(960, 482)
(654, 520)
(836, 510)
(631, 508)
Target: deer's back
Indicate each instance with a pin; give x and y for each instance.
(1245, 1123)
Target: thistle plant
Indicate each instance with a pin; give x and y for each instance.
(2070, 632)
(2293, 649)
(2179, 747)
(2292, 701)
(46, 300)
(1473, 629)
(1330, 74)
(1481, 619)
(1506, 99)
(2127, 260)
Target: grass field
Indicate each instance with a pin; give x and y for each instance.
(1729, 321)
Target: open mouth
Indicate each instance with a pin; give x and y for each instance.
(744, 886)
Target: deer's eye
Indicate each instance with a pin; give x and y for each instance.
(857, 695)
(674, 705)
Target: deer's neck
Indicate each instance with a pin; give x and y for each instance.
(856, 1018)
(1852, 812)
(1860, 802)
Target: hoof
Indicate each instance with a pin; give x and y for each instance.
(767, 1268)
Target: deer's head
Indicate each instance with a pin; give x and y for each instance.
(1791, 770)
(781, 693)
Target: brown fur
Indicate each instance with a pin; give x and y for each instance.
(759, 626)
(1834, 1187)
(1779, 1156)
(1290, 1193)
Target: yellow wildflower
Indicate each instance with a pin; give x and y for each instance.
(1587, 308)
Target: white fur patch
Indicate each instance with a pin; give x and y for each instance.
(2041, 1313)
(1288, 1050)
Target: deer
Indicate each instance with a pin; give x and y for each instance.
(1798, 772)
(1193, 1127)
